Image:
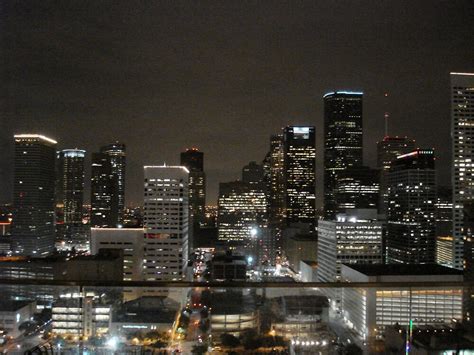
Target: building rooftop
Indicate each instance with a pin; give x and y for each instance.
(12, 306)
(403, 269)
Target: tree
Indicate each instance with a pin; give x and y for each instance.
(229, 340)
(199, 349)
(352, 349)
(250, 339)
(159, 344)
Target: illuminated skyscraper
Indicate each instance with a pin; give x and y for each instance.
(117, 156)
(193, 160)
(276, 181)
(411, 219)
(69, 195)
(358, 188)
(462, 132)
(342, 140)
(103, 192)
(241, 209)
(388, 149)
(299, 167)
(34, 184)
(165, 213)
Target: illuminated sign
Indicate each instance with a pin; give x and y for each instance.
(301, 132)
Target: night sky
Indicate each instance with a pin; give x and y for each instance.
(224, 75)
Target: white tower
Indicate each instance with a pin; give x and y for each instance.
(165, 223)
(462, 131)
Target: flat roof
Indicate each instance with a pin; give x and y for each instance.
(403, 269)
(12, 306)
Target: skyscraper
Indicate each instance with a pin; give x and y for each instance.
(276, 181)
(69, 194)
(299, 167)
(411, 220)
(166, 222)
(253, 173)
(241, 209)
(34, 182)
(462, 132)
(342, 140)
(388, 149)
(193, 160)
(117, 155)
(357, 187)
(103, 192)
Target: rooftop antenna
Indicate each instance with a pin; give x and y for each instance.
(386, 117)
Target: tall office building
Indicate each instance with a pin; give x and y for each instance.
(34, 184)
(462, 132)
(193, 160)
(69, 195)
(411, 220)
(276, 180)
(353, 237)
(103, 193)
(357, 187)
(241, 209)
(117, 155)
(388, 149)
(299, 168)
(165, 219)
(342, 140)
(253, 173)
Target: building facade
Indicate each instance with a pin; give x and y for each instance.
(299, 144)
(117, 156)
(355, 237)
(103, 192)
(411, 221)
(33, 228)
(462, 123)
(358, 188)
(70, 197)
(388, 149)
(369, 311)
(165, 219)
(342, 140)
(193, 160)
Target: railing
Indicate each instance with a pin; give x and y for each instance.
(139, 317)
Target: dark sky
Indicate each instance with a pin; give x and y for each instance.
(224, 75)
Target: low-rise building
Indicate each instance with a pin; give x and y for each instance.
(81, 314)
(13, 314)
(228, 266)
(144, 314)
(300, 246)
(308, 271)
(301, 317)
(368, 311)
(233, 312)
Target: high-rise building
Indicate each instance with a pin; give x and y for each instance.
(34, 184)
(462, 132)
(193, 160)
(241, 210)
(388, 149)
(165, 219)
(342, 140)
(253, 173)
(353, 237)
(357, 187)
(299, 168)
(411, 219)
(117, 156)
(103, 192)
(70, 195)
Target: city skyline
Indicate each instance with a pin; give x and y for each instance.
(231, 94)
